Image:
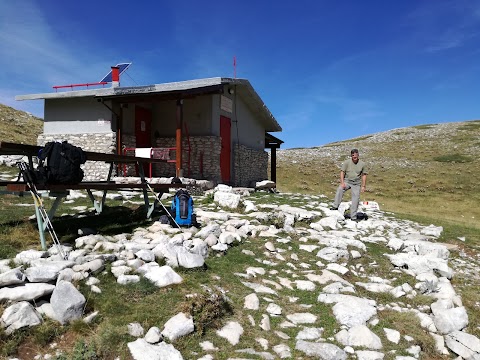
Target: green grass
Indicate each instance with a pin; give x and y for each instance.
(455, 158)
(19, 127)
(403, 178)
(424, 127)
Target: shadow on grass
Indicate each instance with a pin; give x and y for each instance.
(112, 221)
(20, 234)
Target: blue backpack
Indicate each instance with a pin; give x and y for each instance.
(182, 208)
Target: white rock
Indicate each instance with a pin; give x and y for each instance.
(321, 350)
(283, 351)
(231, 331)
(305, 285)
(270, 247)
(369, 355)
(251, 302)
(25, 292)
(359, 336)
(135, 329)
(439, 344)
(228, 200)
(208, 346)
(355, 254)
(350, 310)
(337, 268)
(19, 315)
(274, 309)
(163, 276)
(463, 344)
(141, 350)
(145, 255)
(302, 318)
(265, 323)
(258, 288)
(450, 320)
(332, 254)
(432, 230)
(128, 279)
(309, 333)
(392, 335)
(178, 326)
(153, 335)
(12, 277)
(67, 302)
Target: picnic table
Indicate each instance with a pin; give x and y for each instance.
(60, 191)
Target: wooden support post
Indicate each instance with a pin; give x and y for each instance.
(273, 164)
(178, 157)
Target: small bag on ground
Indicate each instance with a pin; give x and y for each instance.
(182, 208)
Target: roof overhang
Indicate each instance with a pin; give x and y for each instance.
(174, 90)
(272, 141)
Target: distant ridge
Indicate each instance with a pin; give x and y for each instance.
(428, 171)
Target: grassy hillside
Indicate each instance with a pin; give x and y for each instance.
(19, 126)
(427, 173)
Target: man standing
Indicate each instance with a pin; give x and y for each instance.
(352, 176)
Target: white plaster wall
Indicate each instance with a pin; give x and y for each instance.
(197, 114)
(250, 132)
(82, 115)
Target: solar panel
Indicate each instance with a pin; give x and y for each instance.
(122, 67)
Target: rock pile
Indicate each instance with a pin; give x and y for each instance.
(336, 244)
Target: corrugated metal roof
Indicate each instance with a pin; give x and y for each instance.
(243, 87)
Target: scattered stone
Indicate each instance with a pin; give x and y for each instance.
(324, 351)
(19, 315)
(67, 302)
(140, 349)
(302, 318)
(153, 335)
(135, 329)
(178, 326)
(252, 302)
(231, 331)
(392, 335)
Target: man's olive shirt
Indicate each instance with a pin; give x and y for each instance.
(353, 172)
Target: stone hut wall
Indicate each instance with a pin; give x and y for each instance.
(250, 165)
(204, 157)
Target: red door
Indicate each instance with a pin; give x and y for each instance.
(143, 126)
(225, 154)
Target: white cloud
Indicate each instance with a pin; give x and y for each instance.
(34, 56)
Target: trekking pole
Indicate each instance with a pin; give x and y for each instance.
(37, 199)
(163, 206)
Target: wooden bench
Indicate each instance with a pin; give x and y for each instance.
(60, 191)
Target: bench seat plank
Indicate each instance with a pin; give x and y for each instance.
(87, 185)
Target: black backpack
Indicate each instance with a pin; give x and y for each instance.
(62, 166)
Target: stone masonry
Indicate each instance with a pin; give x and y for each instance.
(249, 165)
(204, 157)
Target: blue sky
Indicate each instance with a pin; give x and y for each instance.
(327, 70)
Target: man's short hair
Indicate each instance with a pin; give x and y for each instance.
(354, 151)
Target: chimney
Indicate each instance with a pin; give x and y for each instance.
(115, 76)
